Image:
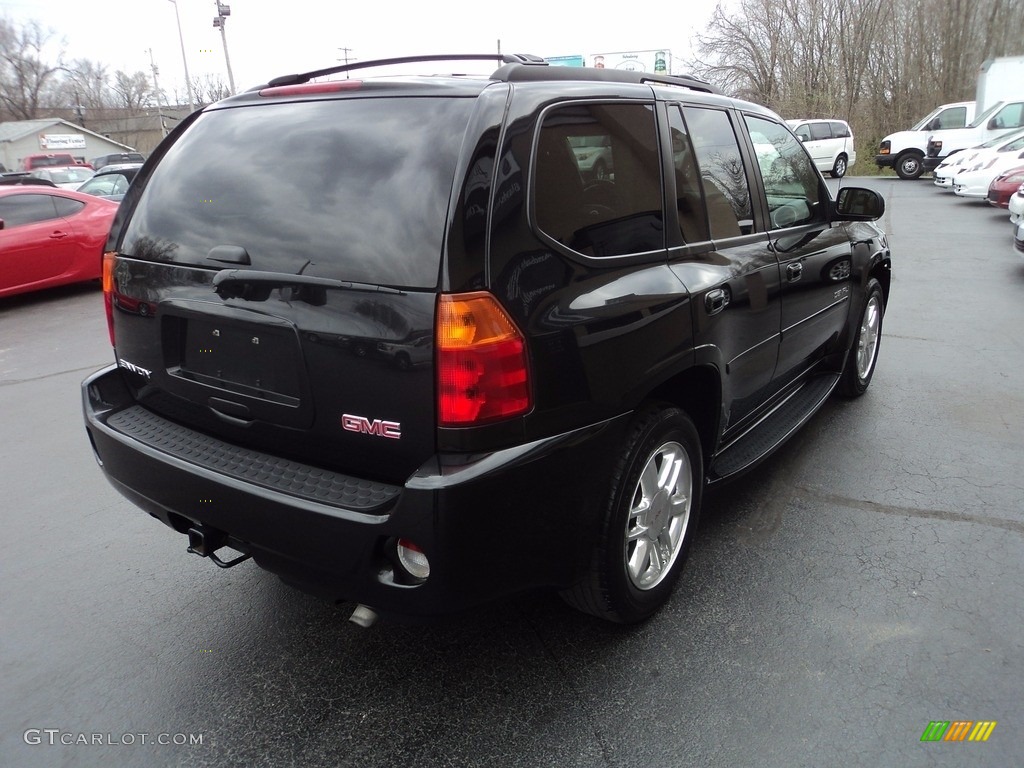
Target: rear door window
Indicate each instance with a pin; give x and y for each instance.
(820, 131)
(597, 185)
(722, 173)
(351, 189)
(840, 130)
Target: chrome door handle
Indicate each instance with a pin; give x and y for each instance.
(794, 271)
(716, 300)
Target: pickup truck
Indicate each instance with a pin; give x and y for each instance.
(51, 160)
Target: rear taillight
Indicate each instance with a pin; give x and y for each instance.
(481, 362)
(109, 259)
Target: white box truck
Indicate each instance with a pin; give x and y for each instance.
(1000, 98)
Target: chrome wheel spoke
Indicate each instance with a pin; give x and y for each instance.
(657, 520)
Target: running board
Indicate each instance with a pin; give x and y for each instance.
(775, 428)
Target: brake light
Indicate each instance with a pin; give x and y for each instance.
(109, 258)
(481, 361)
(304, 89)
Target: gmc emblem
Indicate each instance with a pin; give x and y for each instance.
(378, 428)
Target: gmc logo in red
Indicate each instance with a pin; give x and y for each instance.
(378, 428)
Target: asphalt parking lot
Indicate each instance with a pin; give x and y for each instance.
(863, 583)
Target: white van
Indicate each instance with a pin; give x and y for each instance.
(829, 142)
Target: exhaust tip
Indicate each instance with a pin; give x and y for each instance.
(364, 616)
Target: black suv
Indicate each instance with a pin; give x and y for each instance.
(387, 339)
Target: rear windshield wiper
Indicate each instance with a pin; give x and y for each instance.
(255, 285)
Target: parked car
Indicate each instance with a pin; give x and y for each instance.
(829, 142)
(599, 353)
(65, 177)
(1016, 206)
(111, 181)
(960, 161)
(118, 158)
(1004, 186)
(974, 181)
(593, 157)
(50, 237)
(22, 178)
(1018, 239)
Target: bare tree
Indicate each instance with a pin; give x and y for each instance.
(876, 63)
(24, 76)
(209, 88)
(133, 92)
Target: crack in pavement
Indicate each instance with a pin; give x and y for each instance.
(1015, 526)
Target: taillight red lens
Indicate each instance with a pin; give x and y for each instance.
(305, 89)
(109, 259)
(481, 362)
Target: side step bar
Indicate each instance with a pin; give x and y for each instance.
(774, 429)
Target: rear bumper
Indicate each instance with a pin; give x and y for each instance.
(491, 525)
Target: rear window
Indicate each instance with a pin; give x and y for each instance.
(353, 189)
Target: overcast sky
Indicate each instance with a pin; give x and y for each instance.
(267, 38)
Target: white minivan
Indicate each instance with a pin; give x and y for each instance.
(829, 142)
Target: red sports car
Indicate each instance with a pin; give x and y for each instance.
(1004, 185)
(50, 237)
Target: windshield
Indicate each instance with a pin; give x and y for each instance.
(350, 189)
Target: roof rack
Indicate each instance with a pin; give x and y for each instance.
(513, 73)
(524, 59)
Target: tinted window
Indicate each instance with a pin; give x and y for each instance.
(839, 130)
(26, 209)
(610, 213)
(804, 132)
(820, 131)
(67, 207)
(791, 184)
(353, 189)
(693, 222)
(723, 177)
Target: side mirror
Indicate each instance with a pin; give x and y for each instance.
(858, 204)
(1, 223)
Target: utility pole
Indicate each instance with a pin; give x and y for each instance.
(220, 22)
(344, 57)
(156, 91)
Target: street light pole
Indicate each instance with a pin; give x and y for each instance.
(184, 59)
(221, 22)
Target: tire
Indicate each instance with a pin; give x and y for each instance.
(839, 168)
(863, 354)
(656, 488)
(909, 165)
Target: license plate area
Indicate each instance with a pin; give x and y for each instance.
(243, 365)
(256, 361)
